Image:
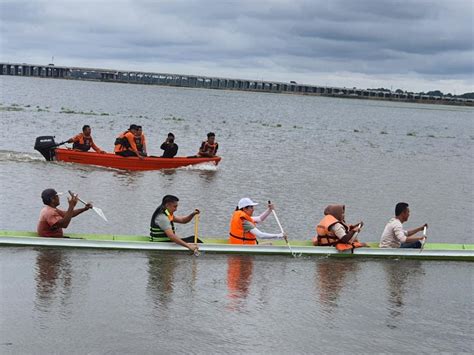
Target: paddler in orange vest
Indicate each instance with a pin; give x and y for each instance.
(140, 142)
(332, 230)
(84, 142)
(209, 148)
(125, 143)
(242, 224)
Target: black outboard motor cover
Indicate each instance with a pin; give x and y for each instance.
(46, 145)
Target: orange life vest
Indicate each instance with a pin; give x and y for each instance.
(209, 148)
(237, 234)
(126, 141)
(82, 143)
(326, 237)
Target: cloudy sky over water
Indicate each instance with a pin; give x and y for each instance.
(414, 45)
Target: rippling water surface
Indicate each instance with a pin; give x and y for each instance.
(302, 153)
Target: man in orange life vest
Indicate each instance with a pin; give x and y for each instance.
(242, 224)
(332, 230)
(125, 143)
(84, 142)
(209, 148)
(140, 141)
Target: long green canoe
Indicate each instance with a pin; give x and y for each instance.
(439, 251)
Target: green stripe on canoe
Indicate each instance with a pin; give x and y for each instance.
(141, 238)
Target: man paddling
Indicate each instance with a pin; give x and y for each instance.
(162, 224)
(52, 220)
(84, 142)
(394, 236)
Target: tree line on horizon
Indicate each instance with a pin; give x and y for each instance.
(467, 95)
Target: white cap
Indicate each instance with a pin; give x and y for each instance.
(244, 202)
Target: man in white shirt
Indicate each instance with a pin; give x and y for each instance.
(394, 236)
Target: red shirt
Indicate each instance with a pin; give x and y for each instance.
(49, 216)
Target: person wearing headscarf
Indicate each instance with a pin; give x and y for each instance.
(333, 230)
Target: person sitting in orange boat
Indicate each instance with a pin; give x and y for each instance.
(162, 224)
(125, 143)
(209, 148)
(52, 220)
(84, 142)
(243, 228)
(140, 141)
(332, 230)
(169, 147)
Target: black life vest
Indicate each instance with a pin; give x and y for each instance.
(156, 233)
(139, 143)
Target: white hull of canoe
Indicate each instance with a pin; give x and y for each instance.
(241, 249)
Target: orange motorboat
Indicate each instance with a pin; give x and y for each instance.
(49, 149)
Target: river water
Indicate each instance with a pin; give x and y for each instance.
(302, 153)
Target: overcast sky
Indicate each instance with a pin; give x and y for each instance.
(415, 45)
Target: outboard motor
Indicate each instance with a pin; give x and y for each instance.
(46, 145)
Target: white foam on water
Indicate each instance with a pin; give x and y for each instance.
(8, 155)
(207, 166)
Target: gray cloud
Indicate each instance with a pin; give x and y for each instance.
(427, 41)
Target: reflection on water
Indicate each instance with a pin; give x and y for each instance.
(208, 175)
(330, 279)
(128, 179)
(161, 272)
(403, 278)
(239, 279)
(53, 278)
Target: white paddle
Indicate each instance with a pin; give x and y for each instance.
(283, 232)
(96, 209)
(196, 229)
(424, 239)
(357, 233)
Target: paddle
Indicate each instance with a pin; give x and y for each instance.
(196, 227)
(283, 232)
(424, 239)
(357, 233)
(96, 209)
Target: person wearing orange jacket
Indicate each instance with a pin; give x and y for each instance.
(125, 143)
(332, 230)
(243, 228)
(209, 148)
(140, 141)
(84, 142)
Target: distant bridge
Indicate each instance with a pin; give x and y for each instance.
(197, 81)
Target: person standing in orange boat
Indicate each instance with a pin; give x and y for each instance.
(243, 228)
(125, 143)
(332, 230)
(84, 142)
